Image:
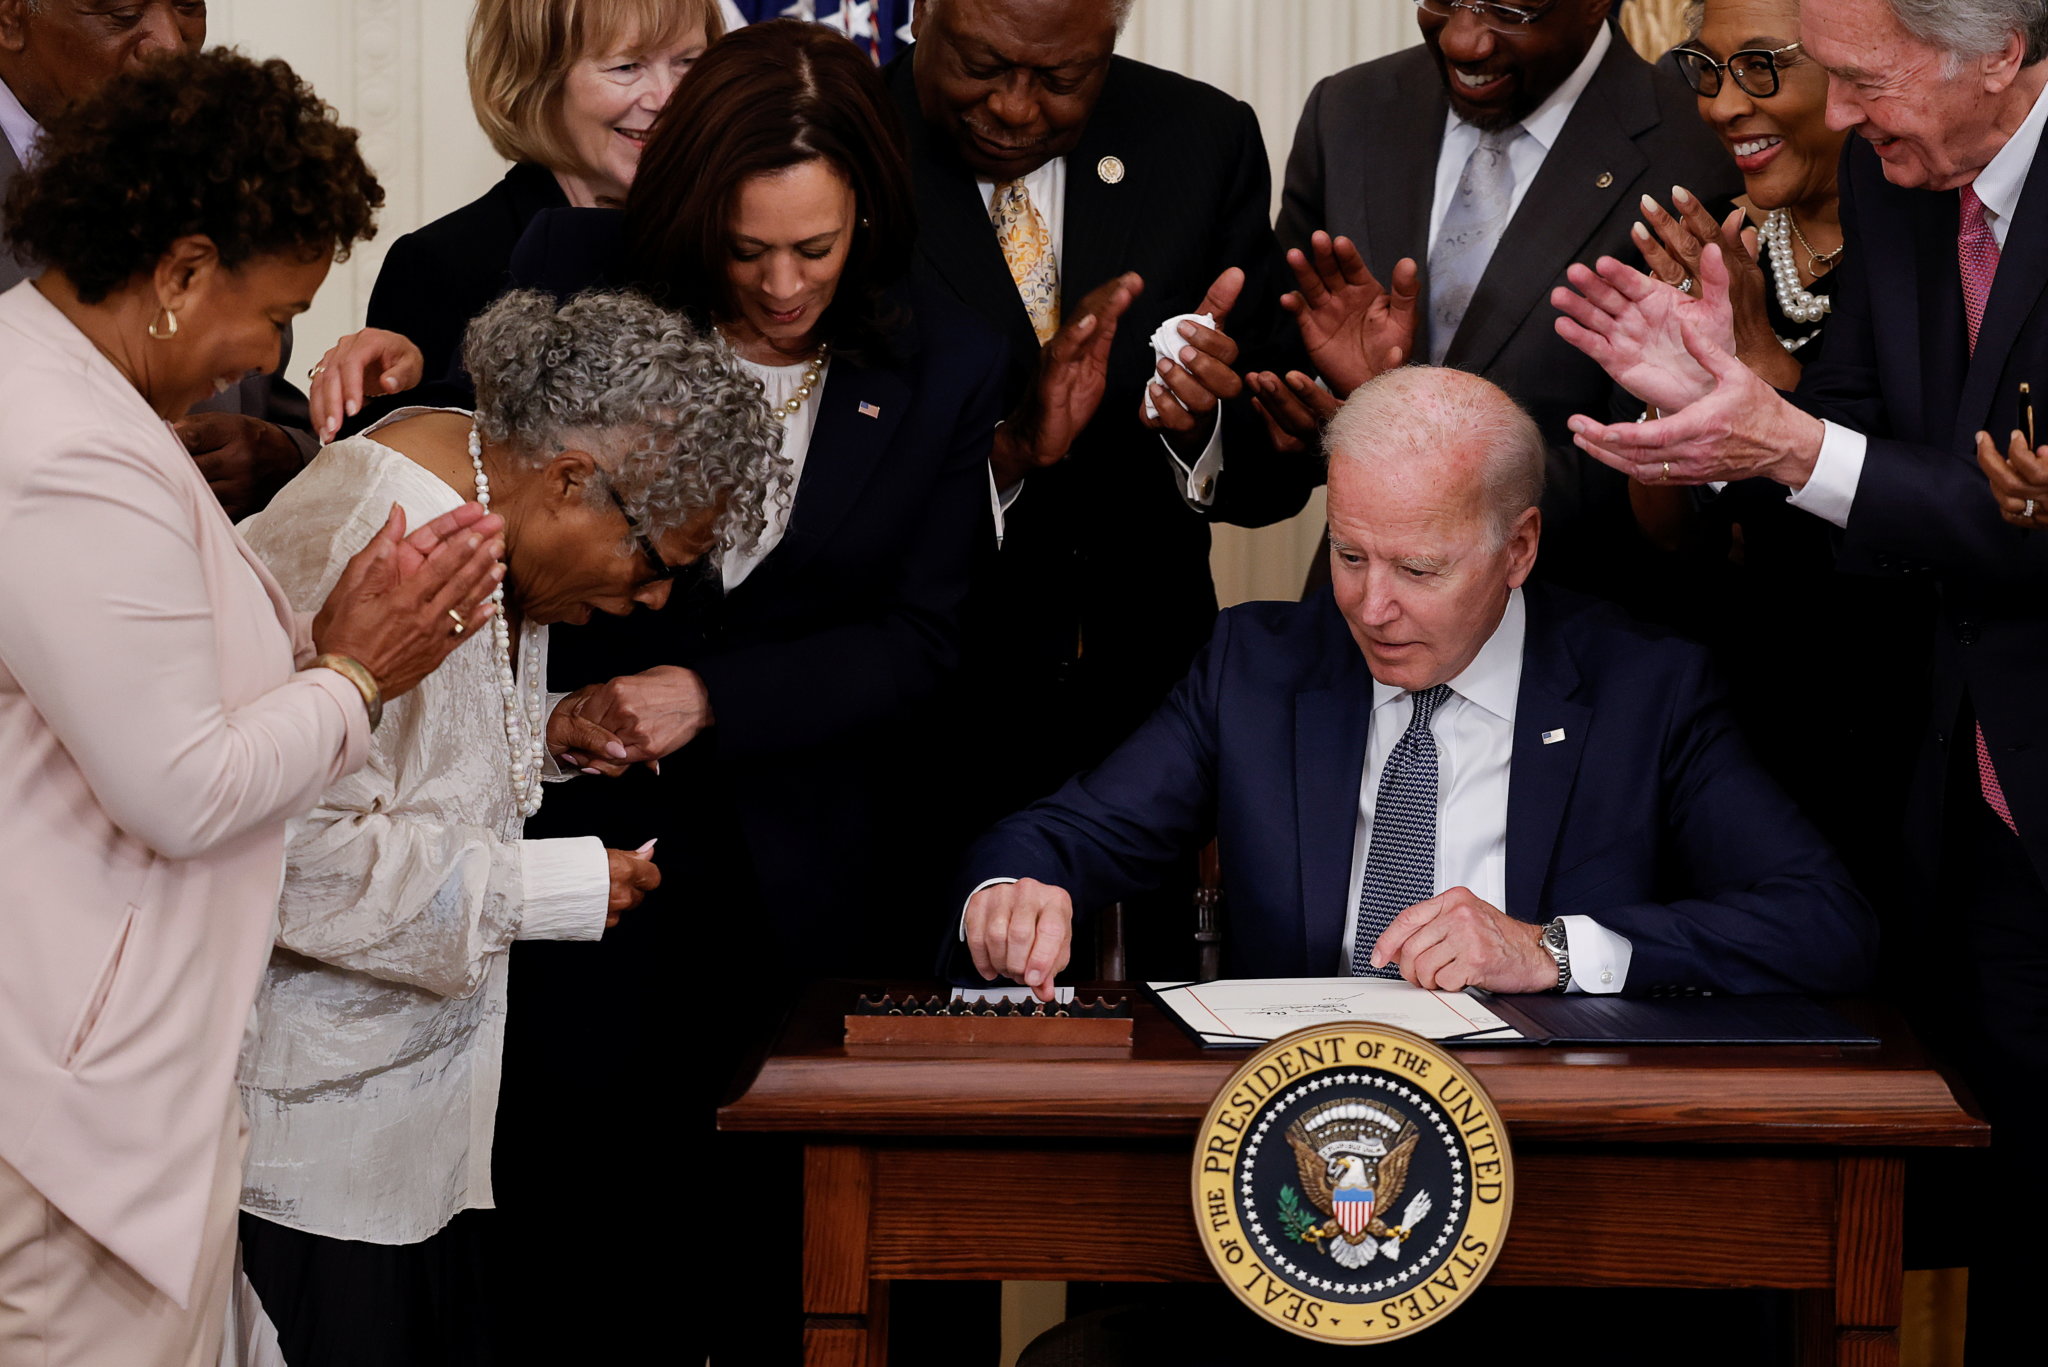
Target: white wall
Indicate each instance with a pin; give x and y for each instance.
(393, 68)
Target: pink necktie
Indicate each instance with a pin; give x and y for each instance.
(1977, 255)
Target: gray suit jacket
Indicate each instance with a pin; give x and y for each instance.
(1364, 165)
(269, 397)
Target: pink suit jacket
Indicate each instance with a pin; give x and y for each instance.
(154, 736)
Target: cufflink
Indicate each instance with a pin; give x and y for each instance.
(1606, 977)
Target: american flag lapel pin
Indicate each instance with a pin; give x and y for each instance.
(868, 410)
(1553, 737)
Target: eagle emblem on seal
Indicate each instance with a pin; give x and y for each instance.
(1353, 1159)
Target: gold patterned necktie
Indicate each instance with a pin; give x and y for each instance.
(1027, 250)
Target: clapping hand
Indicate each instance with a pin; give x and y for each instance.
(1354, 329)
(1738, 427)
(1632, 325)
(1072, 373)
(372, 361)
(1186, 392)
(2019, 479)
(1674, 249)
(1296, 409)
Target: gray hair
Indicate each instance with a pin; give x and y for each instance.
(1418, 412)
(1121, 8)
(1968, 29)
(678, 426)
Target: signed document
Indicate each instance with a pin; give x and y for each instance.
(1248, 1011)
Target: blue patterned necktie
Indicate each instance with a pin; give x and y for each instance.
(1400, 863)
(1472, 228)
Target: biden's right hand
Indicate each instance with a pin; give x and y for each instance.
(1022, 930)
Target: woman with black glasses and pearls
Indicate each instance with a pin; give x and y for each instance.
(1760, 580)
(619, 443)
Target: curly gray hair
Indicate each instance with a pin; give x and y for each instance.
(678, 426)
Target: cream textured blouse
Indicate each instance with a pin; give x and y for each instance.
(371, 1080)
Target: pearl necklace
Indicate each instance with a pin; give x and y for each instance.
(1800, 304)
(804, 385)
(524, 733)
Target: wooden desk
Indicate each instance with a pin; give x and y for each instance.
(1777, 1167)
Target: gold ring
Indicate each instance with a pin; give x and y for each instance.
(1665, 478)
(315, 372)
(456, 618)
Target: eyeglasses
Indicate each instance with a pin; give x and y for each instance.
(662, 569)
(1499, 18)
(1755, 70)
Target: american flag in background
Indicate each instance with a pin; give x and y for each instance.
(881, 27)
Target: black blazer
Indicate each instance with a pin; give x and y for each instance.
(1898, 368)
(1102, 592)
(1648, 814)
(824, 662)
(435, 280)
(1364, 165)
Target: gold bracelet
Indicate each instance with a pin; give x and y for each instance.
(365, 682)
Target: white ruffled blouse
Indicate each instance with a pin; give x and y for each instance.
(371, 1078)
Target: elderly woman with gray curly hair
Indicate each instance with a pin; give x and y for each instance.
(619, 443)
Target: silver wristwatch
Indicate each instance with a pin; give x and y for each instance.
(1560, 949)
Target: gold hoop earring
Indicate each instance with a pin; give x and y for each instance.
(167, 333)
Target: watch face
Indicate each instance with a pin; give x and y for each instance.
(1553, 935)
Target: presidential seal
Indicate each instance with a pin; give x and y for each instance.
(1352, 1183)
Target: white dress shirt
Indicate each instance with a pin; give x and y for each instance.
(371, 1080)
(1474, 730)
(1047, 187)
(1527, 154)
(16, 126)
(779, 384)
(1830, 490)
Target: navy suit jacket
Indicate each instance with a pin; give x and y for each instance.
(824, 664)
(1898, 367)
(1649, 815)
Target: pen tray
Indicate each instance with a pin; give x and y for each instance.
(912, 1019)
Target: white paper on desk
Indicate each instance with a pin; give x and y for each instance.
(1255, 1010)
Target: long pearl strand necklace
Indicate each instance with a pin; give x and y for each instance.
(520, 697)
(1800, 304)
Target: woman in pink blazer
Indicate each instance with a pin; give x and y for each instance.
(162, 709)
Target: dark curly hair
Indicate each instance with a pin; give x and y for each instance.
(765, 98)
(208, 143)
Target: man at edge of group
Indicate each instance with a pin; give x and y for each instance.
(1434, 770)
(1048, 172)
(1518, 138)
(251, 439)
(1938, 335)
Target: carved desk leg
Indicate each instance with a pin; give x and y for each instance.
(1856, 1324)
(846, 1314)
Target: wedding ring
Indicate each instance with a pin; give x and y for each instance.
(2028, 511)
(314, 373)
(1665, 478)
(1684, 286)
(456, 618)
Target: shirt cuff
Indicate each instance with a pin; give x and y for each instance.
(984, 883)
(1831, 490)
(1197, 483)
(1600, 956)
(568, 888)
(551, 770)
(999, 501)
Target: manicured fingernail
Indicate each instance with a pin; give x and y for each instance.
(1680, 194)
(595, 772)
(647, 851)
(1640, 233)
(615, 750)
(1649, 205)
(353, 405)
(497, 573)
